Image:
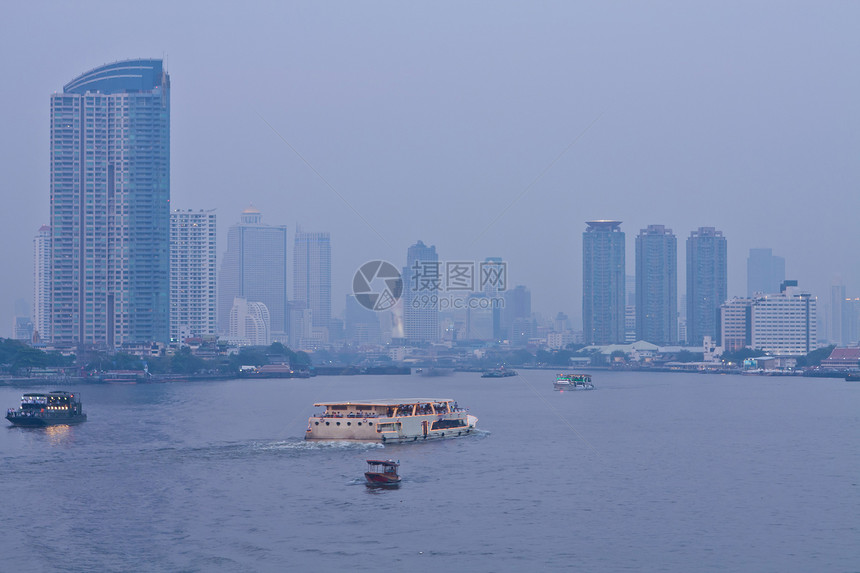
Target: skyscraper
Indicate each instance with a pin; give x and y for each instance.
(765, 272)
(193, 253)
(42, 283)
(254, 267)
(421, 291)
(603, 283)
(707, 282)
(312, 276)
(110, 206)
(657, 285)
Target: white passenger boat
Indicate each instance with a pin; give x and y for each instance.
(405, 420)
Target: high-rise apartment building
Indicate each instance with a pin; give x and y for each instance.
(657, 285)
(603, 284)
(312, 276)
(110, 214)
(193, 253)
(42, 284)
(707, 283)
(422, 280)
(765, 272)
(254, 267)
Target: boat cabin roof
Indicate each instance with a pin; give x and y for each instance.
(385, 403)
(387, 463)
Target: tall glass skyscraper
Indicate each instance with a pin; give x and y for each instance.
(255, 268)
(110, 206)
(707, 283)
(421, 292)
(765, 272)
(657, 285)
(312, 276)
(603, 283)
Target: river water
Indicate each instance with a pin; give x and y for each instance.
(649, 472)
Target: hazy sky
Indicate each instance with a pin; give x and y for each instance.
(432, 119)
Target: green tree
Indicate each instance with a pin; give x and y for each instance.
(815, 357)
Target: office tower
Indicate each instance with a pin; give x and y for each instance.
(422, 280)
(603, 284)
(835, 333)
(707, 283)
(312, 277)
(250, 323)
(193, 252)
(254, 267)
(110, 214)
(785, 323)
(657, 286)
(765, 272)
(42, 284)
(362, 324)
(494, 277)
(781, 323)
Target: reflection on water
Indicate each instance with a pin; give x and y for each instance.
(60, 435)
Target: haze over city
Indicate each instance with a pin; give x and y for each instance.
(493, 129)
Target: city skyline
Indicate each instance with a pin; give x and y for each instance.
(701, 127)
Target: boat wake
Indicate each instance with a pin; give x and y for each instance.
(300, 445)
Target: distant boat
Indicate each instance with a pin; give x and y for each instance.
(382, 472)
(500, 372)
(573, 382)
(852, 377)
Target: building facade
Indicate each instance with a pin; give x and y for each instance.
(110, 214)
(421, 291)
(193, 253)
(707, 283)
(254, 267)
(657, 286)
(312, 278)
(765, 272)
(42, 284)
(603, 282)
(250, 323)
(784, 324)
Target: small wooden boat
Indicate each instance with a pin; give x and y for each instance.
(382, 472)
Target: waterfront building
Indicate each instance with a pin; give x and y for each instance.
(312, 277)
(254, 267)
(193, 252)
(765, 272)
(603, 284)
(707, 283)
(250, 323)
(657, 286)
(422, 280)
(784, 323)
(518, 306)
(42, 284)
(110, 214)
(734, 329)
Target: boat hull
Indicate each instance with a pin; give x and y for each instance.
(43, 421)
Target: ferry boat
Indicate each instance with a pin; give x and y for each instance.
(573, 382)
(49, 409)
(390, 421)
(382, 472)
